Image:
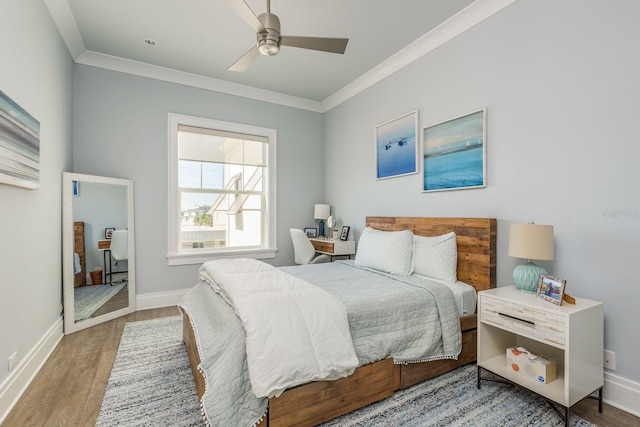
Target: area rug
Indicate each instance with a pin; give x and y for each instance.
(89, 299)
(151, 384)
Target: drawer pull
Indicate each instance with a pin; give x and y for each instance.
(517, 318)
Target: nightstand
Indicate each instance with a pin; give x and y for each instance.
(573, 335)
(334, 248)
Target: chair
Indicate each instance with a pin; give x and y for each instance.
(305, 253)
(119, 250)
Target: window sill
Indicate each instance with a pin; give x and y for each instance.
(202, 257)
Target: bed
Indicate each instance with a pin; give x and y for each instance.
(319, 401)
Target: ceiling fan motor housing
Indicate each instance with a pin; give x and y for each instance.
(268, 41)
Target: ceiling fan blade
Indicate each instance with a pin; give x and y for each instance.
(316, 43)
(245, 12)
(246, 60)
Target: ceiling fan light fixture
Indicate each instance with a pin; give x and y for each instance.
(268, 47)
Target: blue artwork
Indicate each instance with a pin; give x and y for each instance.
(396, 147)
(454, 153)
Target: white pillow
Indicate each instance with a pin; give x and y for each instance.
(436, 256)
(388, 251)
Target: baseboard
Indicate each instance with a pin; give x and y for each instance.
(17, 382)
(159, 299)
(622, 393)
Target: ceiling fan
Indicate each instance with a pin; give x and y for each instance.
(269, 40)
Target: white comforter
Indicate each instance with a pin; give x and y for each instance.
(295, 331)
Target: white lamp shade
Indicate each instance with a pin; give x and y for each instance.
(531, 241)
(321, 211)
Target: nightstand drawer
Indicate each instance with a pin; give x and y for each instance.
(322, 246)
(523, 320)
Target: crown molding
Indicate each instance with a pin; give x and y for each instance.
(63, 19)
(467, 18)
(142, 69)
(472, 15)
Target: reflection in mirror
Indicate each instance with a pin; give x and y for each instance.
(98, 249)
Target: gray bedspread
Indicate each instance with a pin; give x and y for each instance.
(407, 318)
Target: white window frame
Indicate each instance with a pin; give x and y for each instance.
(270, 243)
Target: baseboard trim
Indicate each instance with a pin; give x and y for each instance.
(17, 382)
(622, 393)
(159, 299)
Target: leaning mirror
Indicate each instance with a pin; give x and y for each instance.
(98, 249)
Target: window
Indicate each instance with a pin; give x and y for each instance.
(221, 190)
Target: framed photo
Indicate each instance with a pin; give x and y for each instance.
(20, 143)
(311, 232)
(454, 153)
(108, 232)
(551, 289)
(344, 235)
(396, 147)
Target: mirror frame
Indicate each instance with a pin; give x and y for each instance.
(70, 324)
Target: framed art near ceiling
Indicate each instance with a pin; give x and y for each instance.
(454, 153)
(19, 145)
(396, 146)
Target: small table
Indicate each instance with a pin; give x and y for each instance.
(572, 334)
(334, 248)
(105, 246)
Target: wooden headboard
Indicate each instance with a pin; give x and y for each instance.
(475, 238)
(79, 279)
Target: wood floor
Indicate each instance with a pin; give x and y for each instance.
(68, 390)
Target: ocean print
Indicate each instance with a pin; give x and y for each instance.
(396, 147)
(454, 153)
(19, 145)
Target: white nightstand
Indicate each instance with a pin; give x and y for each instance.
(570, 334)
(334, 248)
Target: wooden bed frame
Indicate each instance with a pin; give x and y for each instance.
(317, 402)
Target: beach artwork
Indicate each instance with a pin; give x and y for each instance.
(396, 146)
(454, 153)
(19, 146)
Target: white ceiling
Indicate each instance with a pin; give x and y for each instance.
(197, 40)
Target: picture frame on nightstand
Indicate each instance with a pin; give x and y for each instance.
(311, 232)
(108, 232)
(345, 233)
(551, 289)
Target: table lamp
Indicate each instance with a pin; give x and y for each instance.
(321, 212)
(530, 241)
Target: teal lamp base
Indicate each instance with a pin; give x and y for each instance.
(527, 276)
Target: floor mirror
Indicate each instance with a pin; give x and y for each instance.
(98, 249)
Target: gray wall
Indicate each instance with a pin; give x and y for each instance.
(120, 130)
(35, 73)
(560, 84)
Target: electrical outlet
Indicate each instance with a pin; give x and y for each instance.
(610, 360)
(12, 360)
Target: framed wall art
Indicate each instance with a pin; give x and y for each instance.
(19, 146)
(551, 289)
(454, 153)
(396, 146)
